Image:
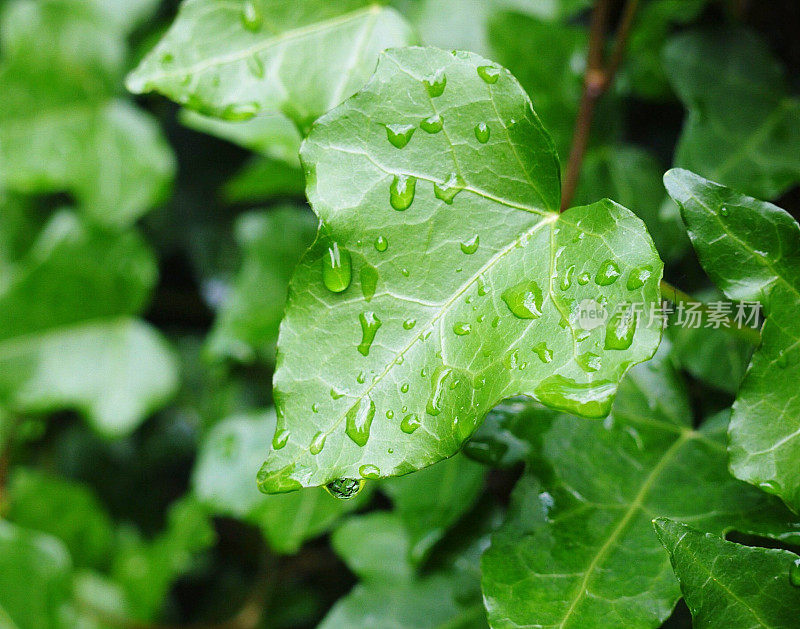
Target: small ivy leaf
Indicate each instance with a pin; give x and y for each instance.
(751, 249)
(443, 280)
(730, 585)
(234, 60)
(577, 544)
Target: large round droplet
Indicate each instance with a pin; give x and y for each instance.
(471, 246)
(317, 443)
(410, 423)
(359, 420)
(435, 83)
(607, 274)
(345, 488)
(336, 268)
(370, 324)
(448, 190)
(482, 132)
(432, 124)
(489, 74)
(620, 330)
(399, 134)
(252, 18)
(524, 300)
(369, 471)
(280, 438)
(401, 191)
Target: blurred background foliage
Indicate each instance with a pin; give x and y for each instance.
(145, 252)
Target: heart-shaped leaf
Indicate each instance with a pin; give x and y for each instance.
(443, 280)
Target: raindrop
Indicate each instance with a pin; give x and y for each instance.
(404, 387)
(369, 281)
(591, 399)
(543, 352)
(794, 573)
(524, 300)
(482, 132)
(399, 134)
(470, 246)
(359, 420)
(620, 330)
(336, 395)
(490, 74)
(566, 281)
(401, 191)
(461, 328)
(317, 443)
(239, 112)
(381, 244)
(588, 361)
(607, 274)
(369, 471)
(432, 124)
(252, 18)
(724, 211)
(435, 83)
(410, 423)
(448, 190)
(496, 321)
(511, 359)
(256, 66)
(405, 272)
(361, 378)
(345, 488)
(770, 487)
(167, 58)
(434, 405)
(370, 323)
(409, 324)
(638, 277)
(583, 279)
(315, 408)
(336, 268)
(280, 438)
(389, 414)
(482, 290)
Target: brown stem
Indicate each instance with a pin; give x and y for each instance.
(677, 296)
(598, 78)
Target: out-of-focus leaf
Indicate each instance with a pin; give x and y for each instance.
(742, 129)
(67, 338)
(224, 479)
(263, 179)
(430, 501)
(730, 585)
(146, 569)
(96, 600)
(18, 228)
(375, 546)
(60, 127)
(632, 176)
(272, 243)
(34, 579)
(65, 509)
(578, 549)
(751, 249)
(235, 60)
(424, 319)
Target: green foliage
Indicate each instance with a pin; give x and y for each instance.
(730, 585)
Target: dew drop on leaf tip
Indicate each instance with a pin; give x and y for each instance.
(345, 488)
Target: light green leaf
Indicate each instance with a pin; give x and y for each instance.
(743, 129)
(375, 547)
(751, 249)
(455, 303)
(67, 338)
(236, 59)
(430, 501)
(730, 585)
(34, 579)
(578, 549)
(263, 179)
(65, 509)
(272, 242)
(224, 480)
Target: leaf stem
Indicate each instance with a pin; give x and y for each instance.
(677, 296)
(598, 78)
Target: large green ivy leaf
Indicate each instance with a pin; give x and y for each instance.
(67, 336)
(272, 242)
(223, 480)
(578, 549)
(443, 279)
(730, 585)
(34, 579)
(61, 129)
(743, 129)
(751, 249)
(64, 509)
(236, 59)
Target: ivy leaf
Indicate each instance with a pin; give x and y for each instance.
(34, 579)
(75, 294)
(234, 60)
(730, 585)
(422, 320)
(62, 129)
(247, 324)
(751, 249)
(578, 545)
(223, 481)
(743, 129)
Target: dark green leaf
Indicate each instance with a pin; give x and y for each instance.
(729, 585)
(428, 317)
(263, 179)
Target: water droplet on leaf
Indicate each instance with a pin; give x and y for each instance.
(401, 191)
(336, 395)
(345, 488)
(359, 420)
(524, 300)
(638, 277)
(256, 66)
(317, 443)
(490, 74)
(588, 361)
(462, 328)
(587, 399)
(409, 323)
(252, 18)
(566, 281)
(410, 423)
(448, 190)
(369, 471)
(336, 268)
(794, 573)
(370, 324)
(432, 124)
(381, 244)
(369, 281)
(607, 274)
(482, 132)
(620, 330)
(280, 438)
(542, 351)
(583, 279)
(435, 83)
(434, 405)
(471, 246)
(404, 387)
(399, 134)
